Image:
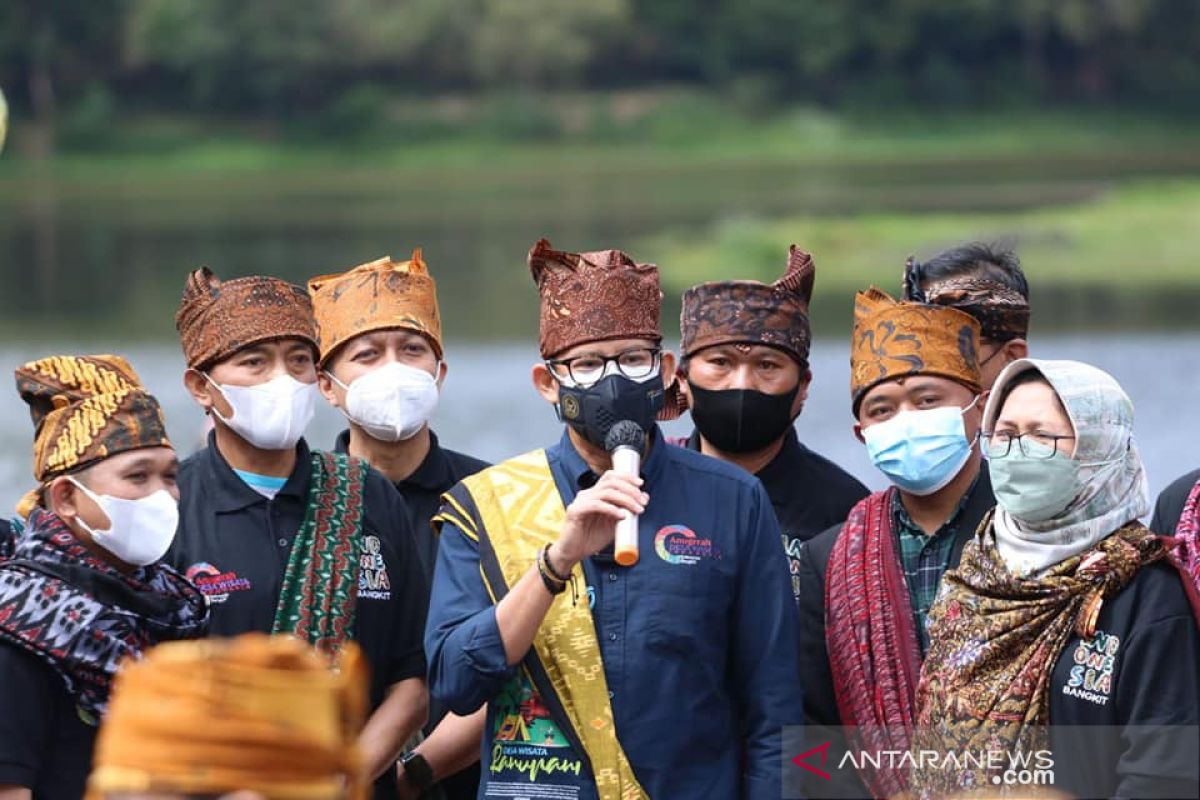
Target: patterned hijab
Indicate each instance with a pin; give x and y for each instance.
(1115, 488)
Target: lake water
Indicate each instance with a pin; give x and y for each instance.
(489, 407)
(107, 255)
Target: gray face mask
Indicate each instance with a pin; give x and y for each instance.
(1034, 489)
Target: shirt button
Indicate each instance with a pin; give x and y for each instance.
(611, 694)
(282, 542)
(612, 637)
(612, 576)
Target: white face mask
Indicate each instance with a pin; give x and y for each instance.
(391, 403)
(139, 531)
(271, 415)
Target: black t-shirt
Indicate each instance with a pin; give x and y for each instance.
(1170, 504)
(234, 544)
(45, 745)
(422, 491)
(1138, 676)
(808, 492)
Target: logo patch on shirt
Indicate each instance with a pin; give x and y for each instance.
(1092, 672)
(214, 584)
(373, 580)
(678, 544)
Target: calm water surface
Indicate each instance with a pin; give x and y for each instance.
(489, 407)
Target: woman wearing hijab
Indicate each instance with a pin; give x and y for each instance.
(81, 591)
(1064, 610)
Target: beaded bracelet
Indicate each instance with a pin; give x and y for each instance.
(553, 584)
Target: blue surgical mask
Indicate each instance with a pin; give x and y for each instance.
(1035, 489)
(920, 451)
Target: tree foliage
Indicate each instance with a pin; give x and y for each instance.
(286, 58)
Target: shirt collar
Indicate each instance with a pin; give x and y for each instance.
(578, 475)
(783, 460)
(906, 526)
(433, 474)
(790, 450)
(230, 493)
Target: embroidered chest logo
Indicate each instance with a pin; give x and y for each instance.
(214, 584)
(373, 580)
(1092, 671)
(678, 544)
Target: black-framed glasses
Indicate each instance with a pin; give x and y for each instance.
(636, 363)
(1034, 444)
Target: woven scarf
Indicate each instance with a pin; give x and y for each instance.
(871, 637)
(320, 585)
(1185, 549)
(996, 638)
(81, 616)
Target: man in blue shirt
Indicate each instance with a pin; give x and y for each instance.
(671, 677)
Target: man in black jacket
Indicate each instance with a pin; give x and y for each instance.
(745, 377)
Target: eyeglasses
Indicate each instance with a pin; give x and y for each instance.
(637, 363)
(999, 443)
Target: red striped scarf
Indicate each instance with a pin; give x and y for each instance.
(872, 640)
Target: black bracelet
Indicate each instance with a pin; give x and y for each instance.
(550, 567)
(553, 585)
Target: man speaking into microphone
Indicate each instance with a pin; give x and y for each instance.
(671, 677)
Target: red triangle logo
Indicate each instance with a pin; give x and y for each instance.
(801, 760)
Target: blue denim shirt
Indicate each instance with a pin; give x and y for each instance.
(699, 639)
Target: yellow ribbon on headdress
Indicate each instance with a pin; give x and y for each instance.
(261, 713)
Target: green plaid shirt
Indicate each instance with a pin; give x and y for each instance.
(924, 559)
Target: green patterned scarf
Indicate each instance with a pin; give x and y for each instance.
(320, 586)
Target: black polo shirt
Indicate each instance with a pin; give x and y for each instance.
(44, 743)
(422, 491)
(234, 544)
(809, 493)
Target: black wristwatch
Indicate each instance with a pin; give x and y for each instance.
(417, 770)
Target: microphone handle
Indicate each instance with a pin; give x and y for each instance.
(627, 461)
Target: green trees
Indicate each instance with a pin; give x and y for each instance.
(292, 59)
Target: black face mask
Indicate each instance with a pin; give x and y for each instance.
(594, 410)
(741, 420)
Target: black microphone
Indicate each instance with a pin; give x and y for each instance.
(625, 442)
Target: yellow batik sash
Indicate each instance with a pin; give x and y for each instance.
(518, 512)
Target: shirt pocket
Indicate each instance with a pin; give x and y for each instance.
(689, 611)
